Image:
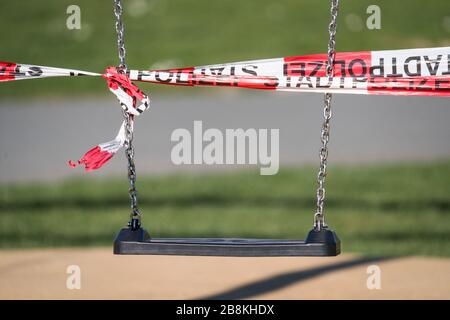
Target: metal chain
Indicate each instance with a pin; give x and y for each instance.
(319, 217)
(118, 10)
(135, 215)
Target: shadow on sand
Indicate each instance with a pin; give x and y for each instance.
(285, 279)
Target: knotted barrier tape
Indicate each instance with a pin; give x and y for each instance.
(128, 95)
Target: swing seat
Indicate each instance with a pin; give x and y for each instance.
(138, 242)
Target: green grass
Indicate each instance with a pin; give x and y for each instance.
(377, 210)
(198, 32)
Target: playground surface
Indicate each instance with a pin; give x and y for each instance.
(41, 274)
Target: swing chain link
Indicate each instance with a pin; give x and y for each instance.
(319, 216)
(118, 10)
(135, 215)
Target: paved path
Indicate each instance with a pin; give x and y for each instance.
(41, 274)
(38, 137)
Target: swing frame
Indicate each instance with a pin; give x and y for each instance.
(320, 241)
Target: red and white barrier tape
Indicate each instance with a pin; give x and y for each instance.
(416, 72)
(10, 71)
(424, 72)
(128, 95)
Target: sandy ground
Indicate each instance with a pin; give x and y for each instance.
(41, 274)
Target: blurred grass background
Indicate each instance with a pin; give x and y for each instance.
(377, 210)
(177, 33)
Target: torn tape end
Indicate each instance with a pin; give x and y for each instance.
(93, 159)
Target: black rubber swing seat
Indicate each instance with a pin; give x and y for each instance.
(138, 242)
